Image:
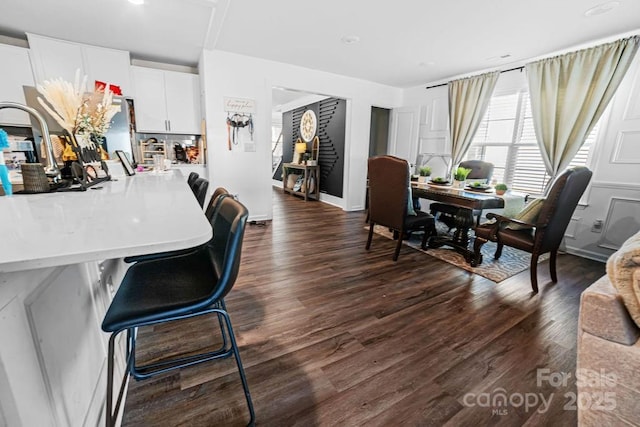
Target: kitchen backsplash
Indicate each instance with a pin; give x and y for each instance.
(191, 145)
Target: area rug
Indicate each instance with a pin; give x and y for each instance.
(512, 261)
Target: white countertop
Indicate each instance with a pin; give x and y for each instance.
(142, 214)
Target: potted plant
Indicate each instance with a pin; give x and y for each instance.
(501, 188)
(425, 172)
(460, 176)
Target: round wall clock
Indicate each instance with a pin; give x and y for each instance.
(308, 125)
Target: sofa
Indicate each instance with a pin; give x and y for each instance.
(608, 365)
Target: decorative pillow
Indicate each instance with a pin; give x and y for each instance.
(529, 214)
(291, 180)
(621, 268)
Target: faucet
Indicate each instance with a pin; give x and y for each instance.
(51, 170)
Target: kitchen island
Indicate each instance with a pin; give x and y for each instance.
(60, 264)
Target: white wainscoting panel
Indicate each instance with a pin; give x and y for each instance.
(623, 221)
(627, 147)
(439, 116)
(572, 227)
(632, 109)
(68, 344)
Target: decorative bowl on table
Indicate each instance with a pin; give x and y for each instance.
(478, 186)
(439, 181)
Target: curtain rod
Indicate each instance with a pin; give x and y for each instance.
(504, 71)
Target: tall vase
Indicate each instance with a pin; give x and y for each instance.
(6, 182)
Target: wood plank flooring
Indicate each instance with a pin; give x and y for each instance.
(331, 334)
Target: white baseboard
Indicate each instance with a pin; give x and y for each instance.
(587, 254)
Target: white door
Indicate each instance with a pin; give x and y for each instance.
(403, 134)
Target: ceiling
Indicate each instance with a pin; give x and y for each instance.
(401, 43)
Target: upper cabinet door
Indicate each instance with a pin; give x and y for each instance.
(109, 66)
(166, 101)
(183, 102)
(13, 78)
(150, 103)
(53, 59)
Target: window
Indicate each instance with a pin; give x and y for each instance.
(507, 139)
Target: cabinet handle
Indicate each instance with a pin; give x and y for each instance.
(169, 123)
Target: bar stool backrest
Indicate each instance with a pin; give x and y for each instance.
(220, 191)
(192, 178)
(225, 248)
(200, 187)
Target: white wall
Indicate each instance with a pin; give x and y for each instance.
(248, 174)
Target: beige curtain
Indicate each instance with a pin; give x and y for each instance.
(468, 101)
(569, 94)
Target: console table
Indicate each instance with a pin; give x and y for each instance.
(310, 188)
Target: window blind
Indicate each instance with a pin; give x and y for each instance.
(506, 137)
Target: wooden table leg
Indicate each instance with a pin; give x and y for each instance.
(463, 221)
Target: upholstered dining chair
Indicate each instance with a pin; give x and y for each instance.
(480, 170)
(542, 235)
(390, 201)
(175, 288)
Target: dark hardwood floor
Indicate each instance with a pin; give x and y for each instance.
(331, 334)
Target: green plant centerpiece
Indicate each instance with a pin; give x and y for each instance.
(501, 188)
(424, 171)
(460, 175)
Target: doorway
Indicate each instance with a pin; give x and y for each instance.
(379, 131)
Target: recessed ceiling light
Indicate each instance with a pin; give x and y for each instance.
(602, 8)
(426, 64)
(136, 1)
(350, 39)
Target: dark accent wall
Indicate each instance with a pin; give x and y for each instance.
(331, 114)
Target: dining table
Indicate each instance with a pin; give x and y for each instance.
(466, 200)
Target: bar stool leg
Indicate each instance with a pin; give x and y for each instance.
(243, 378)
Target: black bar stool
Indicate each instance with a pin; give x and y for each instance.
(216, 198)
(199, 188)
(192, 178)
(179, 287)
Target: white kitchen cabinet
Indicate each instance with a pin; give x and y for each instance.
(53, 58)
(109, 66)
(166, 101)
(14, 76)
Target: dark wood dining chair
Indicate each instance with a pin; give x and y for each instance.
(389, 198)
(445, 212)
(543, 236)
